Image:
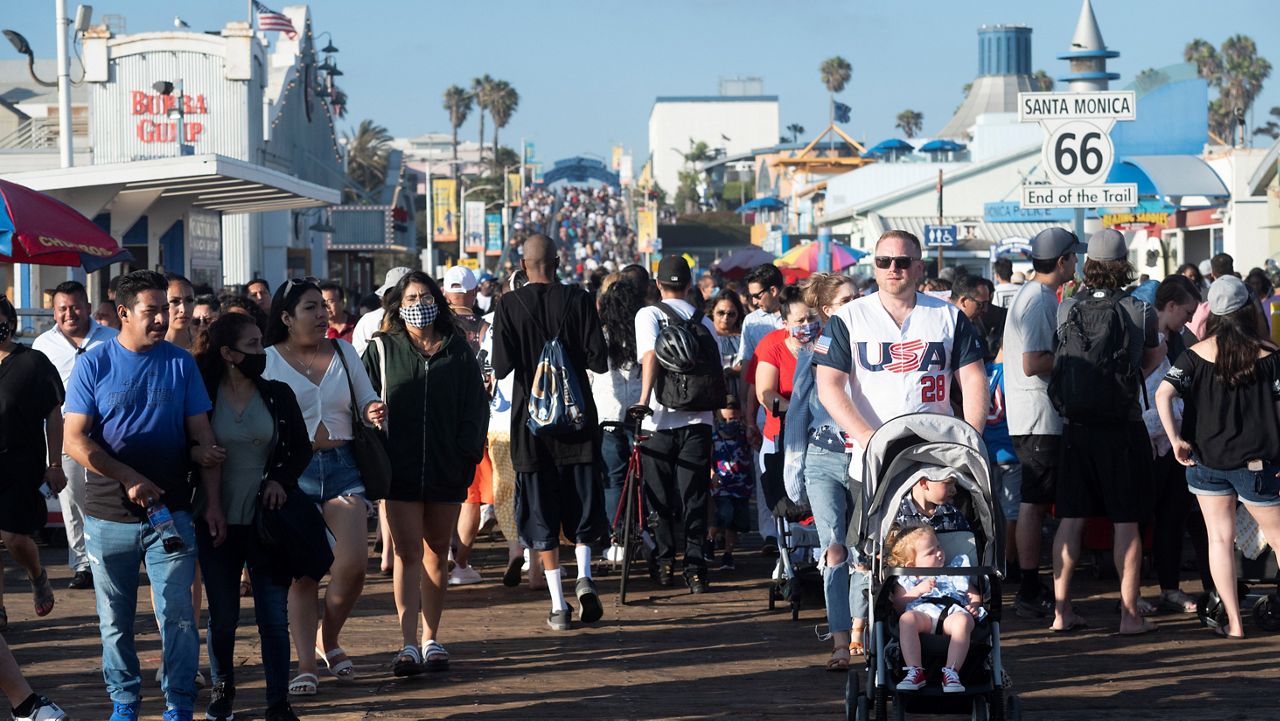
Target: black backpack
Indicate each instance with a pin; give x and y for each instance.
(1094, 378)
(703, 388)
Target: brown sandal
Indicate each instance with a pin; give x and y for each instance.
(837, 663)
(42, 593)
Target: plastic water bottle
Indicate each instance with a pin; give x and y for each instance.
(162, 521)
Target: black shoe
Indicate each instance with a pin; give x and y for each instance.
(697, 581)
(588, 601)
(561, 620)
(1012, 575)
(1038, 607)
(281, 711)
(511, 578)
(221, 700)
(81, 580)
(770, 547)
(726, 562)
(666, 574)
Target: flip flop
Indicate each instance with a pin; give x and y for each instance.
(1147, 627)
(1077, 623)
(42, 593)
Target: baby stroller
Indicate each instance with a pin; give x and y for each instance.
(897, 449)
(796, 578)
(1257, 582)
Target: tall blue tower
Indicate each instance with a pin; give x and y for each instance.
(1004, 50)
(1088, 55)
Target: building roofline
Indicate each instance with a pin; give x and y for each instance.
(715, 99)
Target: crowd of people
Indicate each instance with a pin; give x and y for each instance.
(238, 446)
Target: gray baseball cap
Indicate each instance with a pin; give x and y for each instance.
(1227, 295)
(1052, 243)
(1108, 244)
(392, 277)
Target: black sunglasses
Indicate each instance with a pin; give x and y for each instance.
(761, 294)
(899, 262)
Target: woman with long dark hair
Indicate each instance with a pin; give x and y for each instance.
(439, 413)
(1229, 438)
(260, 425)
(619, 389)
(322, 373)
(726, 312)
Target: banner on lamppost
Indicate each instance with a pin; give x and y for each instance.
(493, 234)
(646, 230)
(617, 158)
(444, 215)
(625, 170)
(528, 151)
(475, 226)
(515, 189)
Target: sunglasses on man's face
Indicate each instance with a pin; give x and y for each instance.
(757, 296)
(900, 262)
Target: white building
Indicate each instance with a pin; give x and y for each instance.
(434, 152)
(729, 124)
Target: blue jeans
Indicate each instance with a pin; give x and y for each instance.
(331, 474)
(832, 496)
(221, 567)
(115, 550)
(615, 454)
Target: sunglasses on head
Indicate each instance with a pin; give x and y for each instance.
(900, 262)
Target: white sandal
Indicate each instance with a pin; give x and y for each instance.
(304, 684)
(344, 670)
(412, 667)
(435, 658)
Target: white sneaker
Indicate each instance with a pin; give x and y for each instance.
(45, 710)
(525, 567)
(463, 576)
(614, 553)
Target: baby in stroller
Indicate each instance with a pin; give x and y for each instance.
(942, 604)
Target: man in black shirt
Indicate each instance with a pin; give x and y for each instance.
(556, 481)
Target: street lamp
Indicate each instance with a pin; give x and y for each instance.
(177, 113)
(328, 49)
(24, 48)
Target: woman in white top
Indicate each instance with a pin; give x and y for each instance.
(299, 354)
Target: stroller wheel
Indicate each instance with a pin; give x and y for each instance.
(773, 597)
(980, 710)
(882, 704)
(852, 693)
(1266, 612)
(1015, 708)
(996, 711)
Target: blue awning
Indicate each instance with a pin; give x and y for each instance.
(762, 204)
(1170, 176)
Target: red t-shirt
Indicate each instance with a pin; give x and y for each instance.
(344, 333)
(773, 350)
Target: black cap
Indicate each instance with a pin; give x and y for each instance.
(675, 270)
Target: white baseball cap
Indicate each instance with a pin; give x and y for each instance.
(459, 279)
(392, 277)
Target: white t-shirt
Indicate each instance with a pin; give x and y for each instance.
(649, 322)
(755, 327)
(1029, 328)
(500, 401)
(1004, 294)
(62, 352)
(368, 324)
(896, 370)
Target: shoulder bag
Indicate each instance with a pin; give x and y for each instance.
(366, 445)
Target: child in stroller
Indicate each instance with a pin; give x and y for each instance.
(942, 604)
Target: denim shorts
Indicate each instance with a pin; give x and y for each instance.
(732, 513)
(331, 474)
(1009, 492)
(1254, 488)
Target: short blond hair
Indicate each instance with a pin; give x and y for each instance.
(901, 545)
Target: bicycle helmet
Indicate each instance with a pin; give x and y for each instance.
(676, 349)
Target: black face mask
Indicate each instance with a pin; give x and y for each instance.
(253, 365)
(5, 331)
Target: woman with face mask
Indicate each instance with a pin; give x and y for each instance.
(260, 425)
(438, 417)
(775, 360)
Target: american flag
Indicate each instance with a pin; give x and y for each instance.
(270, 20)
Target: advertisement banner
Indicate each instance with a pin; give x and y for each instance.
(617, 158)
(444, 201)
(475, 226)
(535, 172)
(515, 189)
(493, 235)
(528, 151)
(646, 230)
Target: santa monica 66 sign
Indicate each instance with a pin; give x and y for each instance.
(1078, 153)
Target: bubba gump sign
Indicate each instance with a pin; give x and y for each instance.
(155, 125)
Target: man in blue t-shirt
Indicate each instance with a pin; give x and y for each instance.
(136, 420)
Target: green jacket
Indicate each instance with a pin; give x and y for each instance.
(437, 417)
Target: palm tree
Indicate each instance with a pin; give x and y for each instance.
(502, 105)
(482, 91)
(458, 102)
(1041, 81)
(836, 72)
(1272, 128)
(367, 150)
(910, 122)
(796, 131)
(1237, 71)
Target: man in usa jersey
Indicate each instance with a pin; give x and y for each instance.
(895, 351)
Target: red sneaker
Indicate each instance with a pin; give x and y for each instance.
(951, 681)
(914, 680)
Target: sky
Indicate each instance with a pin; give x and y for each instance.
(588, 71)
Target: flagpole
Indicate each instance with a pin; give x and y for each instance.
(252, 15)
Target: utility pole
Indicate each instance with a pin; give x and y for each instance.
(940, 220)
(430, 263)
(64, 87)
